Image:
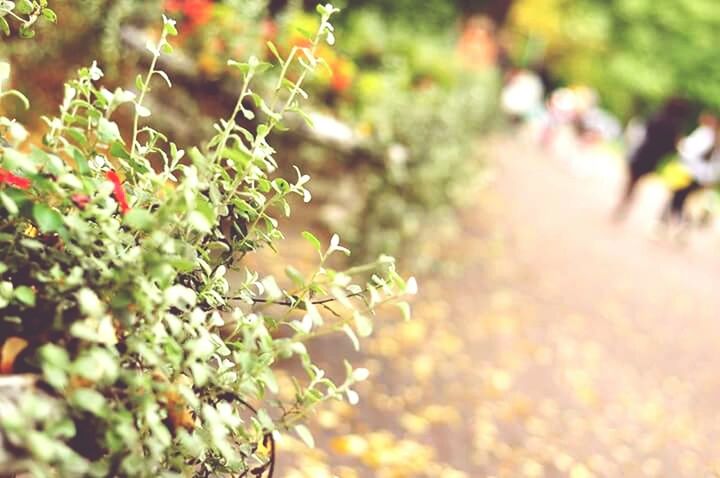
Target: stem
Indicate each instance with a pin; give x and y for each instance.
(143, 91)
(12, 14)
(273, 122)
(288, 303)
(231, 121)
(255, 222)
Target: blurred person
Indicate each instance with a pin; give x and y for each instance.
(634, 134)
(600, 125)
(661, 135)
(478, 45)
(568, 106)
(522, 96)
(561, 108)
(589, 121)
(700, 155)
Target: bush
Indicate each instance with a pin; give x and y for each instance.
(417, 112)
(397, 90)
(25, 14)
(116, 288)
(423, 160)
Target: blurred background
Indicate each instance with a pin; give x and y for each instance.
(549, 168)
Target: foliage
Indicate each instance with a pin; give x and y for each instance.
(650, 50)
(217, 31)
(418, 110)
(381, 66)
(24, 13)
(338, 72)
(433, 15)
(423, 163)
(90, 29)
(122, 276)
(377, 44)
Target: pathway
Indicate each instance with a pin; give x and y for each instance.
(553, 343)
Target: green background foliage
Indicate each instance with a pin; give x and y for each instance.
(635, 52)
(153, 343)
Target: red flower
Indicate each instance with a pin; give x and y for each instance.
(119, 191)
(6, 177)
(195, 12)
(80, 200)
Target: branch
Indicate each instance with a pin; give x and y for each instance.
(268, 439)
(356, 151)
(290, 303)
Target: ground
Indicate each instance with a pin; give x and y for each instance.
(553, 342)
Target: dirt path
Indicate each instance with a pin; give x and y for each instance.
(553, 343)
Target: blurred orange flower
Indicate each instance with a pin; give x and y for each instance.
(341, 78)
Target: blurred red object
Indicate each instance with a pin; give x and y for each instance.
(6, 177)
(478, 45)
(269, 29)
(195, 12)
(341, 78)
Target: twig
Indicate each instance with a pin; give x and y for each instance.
(268, 438)
(289, 303)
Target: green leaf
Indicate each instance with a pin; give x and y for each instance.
(25, 295)
(305, 435)
(405, 309)
(80, 160)
(118, 150)
(4, 27)
(41, 446)
(313, 241)
(141, 110)
(295, 276)
(49, 15)
(271, 46)
(363, 324)
(47, 218)
(244, 68)
(351, 335)
(26, 32)
(140, 219)
(55, 354)
(23, 7)
(164, 75)
(23, 99)
(169, 26)
(9, 204)
(89, 400)
(32, 244)
(206, 209)
(263, 66)
(89, 302)
(108, 131)
(77, 135)
(199, 222)
(200, 373)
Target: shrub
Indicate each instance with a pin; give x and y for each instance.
(116, 287)
(24, 14)
(422, 158)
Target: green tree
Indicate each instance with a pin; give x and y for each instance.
(629, 50)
